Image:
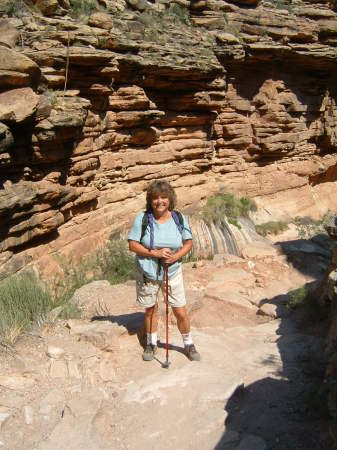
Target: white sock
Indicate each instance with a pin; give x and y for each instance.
(187, 338)
(151, 338)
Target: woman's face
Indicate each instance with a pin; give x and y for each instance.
(160, 204)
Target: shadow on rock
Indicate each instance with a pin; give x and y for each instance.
(281, 411)
(309, 256)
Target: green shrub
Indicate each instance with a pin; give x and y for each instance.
(282, 4)
(298, 298)
(178, 13)
(308, 227)
(112, 262)
(23, 301)
(271, 228)
(84, 8)
(16, 8)
(306, 301)
(115, 263)
(220, 206)
(191, 257)
(303, 298)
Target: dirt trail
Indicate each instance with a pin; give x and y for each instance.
(82, 384)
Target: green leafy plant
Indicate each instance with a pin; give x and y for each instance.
(16, 8)
(52, 97)
(264, 32)
(298, 298)
(115, 263)
(221, 206)
(178, 13)
(191, 257)
(304, 299)
(112, 262)
(271, 227)
(23, 301)
(83, 8)
(308, 227)
(282, 4)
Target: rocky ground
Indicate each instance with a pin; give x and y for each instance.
(81, 384)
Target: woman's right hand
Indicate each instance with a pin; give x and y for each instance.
(163, 253)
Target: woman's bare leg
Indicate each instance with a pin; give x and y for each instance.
(151, 319)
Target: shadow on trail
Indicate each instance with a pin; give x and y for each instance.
(308, 256)
(132, 322)
(171, 347)
(278, 412)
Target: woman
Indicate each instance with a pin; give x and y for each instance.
(165, 240)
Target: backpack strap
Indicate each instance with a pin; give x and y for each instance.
(147, 220)
(179, 220)
(150, 219)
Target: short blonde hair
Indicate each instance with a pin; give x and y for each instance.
(160, 187)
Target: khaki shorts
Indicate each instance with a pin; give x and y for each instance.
(147, 290)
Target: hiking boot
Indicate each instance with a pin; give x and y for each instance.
(149, 352)
(191, 353)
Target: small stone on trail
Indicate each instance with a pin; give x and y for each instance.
(55, 352)
(29, 414)
(250, 265)
(198, 264)
(4, 415)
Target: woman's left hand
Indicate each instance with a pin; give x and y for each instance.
(174, 257)
(170, 260)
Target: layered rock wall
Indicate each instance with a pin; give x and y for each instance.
(331, 347)
(206, 94)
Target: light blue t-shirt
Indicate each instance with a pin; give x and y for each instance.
(165, 235)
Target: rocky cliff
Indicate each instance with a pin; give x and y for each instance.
(331, 347)
(99, 98)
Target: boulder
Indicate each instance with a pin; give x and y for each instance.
(268, 309)
(140, 5)
(8, 34)
(247, 2)
(102, 334)
(18, 105)
(47, 7)
(55, 352)
(6, 138)
(17, 69)
(101, 20)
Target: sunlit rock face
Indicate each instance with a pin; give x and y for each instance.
(207, 95)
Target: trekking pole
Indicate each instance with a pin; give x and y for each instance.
(166, 363)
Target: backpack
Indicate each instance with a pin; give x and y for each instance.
(148, 220)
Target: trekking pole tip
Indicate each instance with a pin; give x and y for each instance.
(166, 364)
